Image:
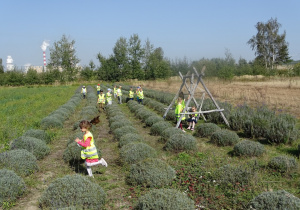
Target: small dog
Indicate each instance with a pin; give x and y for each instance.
(95, 121)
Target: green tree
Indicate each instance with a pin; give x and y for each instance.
(63, 55)
(243, 68)
(180, 65)
(87, 73)
(158, 67)
(1, 67)
(121, 58)
(107, 70)
(136, 53)
(32, 77)
(269, 44)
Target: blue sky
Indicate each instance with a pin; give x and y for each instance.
(193, 28)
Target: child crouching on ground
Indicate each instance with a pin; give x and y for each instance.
(89, 150)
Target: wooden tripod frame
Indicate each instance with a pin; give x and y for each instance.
(191, 89)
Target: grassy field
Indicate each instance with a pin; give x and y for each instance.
(22, 108)
(194, 169)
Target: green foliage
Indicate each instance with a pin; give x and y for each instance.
(143, 114)
(180, 142)
(39, 134)
(206, 129)
(118, 133)
(51, 122)
(36, 146)
(296, 69)
(153, 119)
(158, 127)
(118, 124)
(135, 152)
(229, 176)
(72, 153)
(248, 148)
(239, 116)
(150, 172)
(224, 138)
(20, 161)
(73, 190)
(11, 186)
(117, 119)
(129, 138)
(283, 164)
(167, 199)
(168, 133)
(275, 200)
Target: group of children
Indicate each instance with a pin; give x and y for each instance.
(192, 120)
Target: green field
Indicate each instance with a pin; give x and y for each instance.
(22, 108)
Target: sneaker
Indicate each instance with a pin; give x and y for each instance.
(103, 162)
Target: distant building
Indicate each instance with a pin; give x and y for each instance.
(9, 63)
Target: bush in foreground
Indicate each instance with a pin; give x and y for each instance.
(39, 134)
(248, 148)
(51, 122)
(73, 190)
(180, 142)
(166, 134)
(164, 199)
(20, 161)
(36, 146)
(153, 119)
(275, 200)
(150, 172)
(135, 152)
(206, 129)
(283, 164)
(158, 127)
(224, 138)
(11, 186)
(118, 133)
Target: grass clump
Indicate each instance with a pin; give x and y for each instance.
(180, 142)
(20, 161)
(159, 127)
(166, 134)
(224, 138)
(230, 176)
(129, 138)
(206, 129)
(153, 119)
(36, 146)
(118, 124)
(11, 186)
(248, 148)
(118, 133)
(275, 200)
(136, 151)
(164, 199)
(150, 172)
(39, 134)
(73, 190)
(283, 164)
(51, 122)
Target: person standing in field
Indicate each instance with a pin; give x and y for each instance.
(141, 95)
(130, 95)
(137, 93)
(115, 91)
(119, 94)
(98, 89)
(83, 91)
(101, 100)
(89, 151)
(108, 97)
(192, 119)
(179, 108)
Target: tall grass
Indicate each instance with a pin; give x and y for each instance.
(22, 108)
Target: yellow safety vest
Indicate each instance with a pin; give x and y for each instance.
(91, 151)
(178, 110)
(83, 90)
(119, 92)
(101, 99)
(108, 96)
(115, 90)
(131, 94)
(141, 95)
(98, 88)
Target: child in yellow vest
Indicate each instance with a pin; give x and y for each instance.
(89, 150)
(101, 100)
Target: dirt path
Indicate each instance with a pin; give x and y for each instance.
(111, 179)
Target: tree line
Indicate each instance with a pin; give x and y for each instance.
(131, 59)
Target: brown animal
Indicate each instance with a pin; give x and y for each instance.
(95, 121)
